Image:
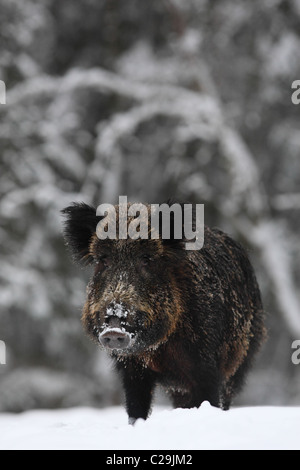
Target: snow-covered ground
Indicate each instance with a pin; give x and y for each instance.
(166, 429)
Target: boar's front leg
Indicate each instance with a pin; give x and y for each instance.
(138, 383)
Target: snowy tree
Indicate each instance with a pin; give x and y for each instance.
(191, 100)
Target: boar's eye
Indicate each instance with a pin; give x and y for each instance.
(101, 264)
(145, 261)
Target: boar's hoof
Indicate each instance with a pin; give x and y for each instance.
(132, 421)
(115, 338)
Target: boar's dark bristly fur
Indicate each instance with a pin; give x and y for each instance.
(191, 321)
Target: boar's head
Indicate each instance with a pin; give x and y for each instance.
(134, 298)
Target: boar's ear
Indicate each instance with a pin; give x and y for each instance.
(79, 227)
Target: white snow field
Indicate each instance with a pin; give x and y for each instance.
(208, 428)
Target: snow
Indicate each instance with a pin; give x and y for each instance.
(261, 428)
(117, 309)
(117, 331)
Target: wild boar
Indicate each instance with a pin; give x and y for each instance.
(190, 321)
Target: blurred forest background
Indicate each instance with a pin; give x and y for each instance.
(153, 99)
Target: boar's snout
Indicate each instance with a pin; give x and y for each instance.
(114, 335)
(114, 338)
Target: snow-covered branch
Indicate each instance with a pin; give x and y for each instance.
(283, 202)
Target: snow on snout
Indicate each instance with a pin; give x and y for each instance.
(117, 310)
(112, 330)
